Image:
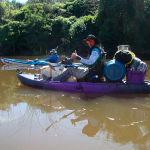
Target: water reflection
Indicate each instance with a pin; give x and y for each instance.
(121, 112)
(118, 118)
(14, 67)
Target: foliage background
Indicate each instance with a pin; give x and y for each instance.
(40, 25)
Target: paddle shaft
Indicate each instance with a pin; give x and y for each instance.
(47, 54)
(65, 116)
(54, 48)
(60, 67)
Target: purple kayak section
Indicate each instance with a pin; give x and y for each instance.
(85, 87)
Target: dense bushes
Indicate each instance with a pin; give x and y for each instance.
(125, 22)
(35, 28)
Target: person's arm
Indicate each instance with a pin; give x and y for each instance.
(94, 57)
(53, 58)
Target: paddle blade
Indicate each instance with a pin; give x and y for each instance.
(35, 60)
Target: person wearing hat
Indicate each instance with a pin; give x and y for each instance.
(94, 64)
(91, 128)
(54, 58)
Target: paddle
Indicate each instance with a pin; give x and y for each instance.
(36, 60)
(60, 67)
(65, 116)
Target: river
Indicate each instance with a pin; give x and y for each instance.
(41, 120)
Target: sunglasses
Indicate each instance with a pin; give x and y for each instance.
(89, 41)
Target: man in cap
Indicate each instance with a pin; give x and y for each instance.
(54, 58)
(95, 63)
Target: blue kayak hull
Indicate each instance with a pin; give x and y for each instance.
(22, 62)
(30, 62)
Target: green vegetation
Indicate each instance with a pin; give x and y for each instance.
(38, 26)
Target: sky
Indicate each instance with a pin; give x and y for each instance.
(20, 1)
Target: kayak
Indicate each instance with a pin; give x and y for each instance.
(22, 62)
(32, 62)
(36, 81)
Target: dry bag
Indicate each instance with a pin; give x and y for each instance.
(124, 56)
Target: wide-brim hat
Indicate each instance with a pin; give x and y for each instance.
(53, 51)
(90, 130)
(91, 36)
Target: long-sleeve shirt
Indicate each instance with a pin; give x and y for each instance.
(53, 59)
(94, 57)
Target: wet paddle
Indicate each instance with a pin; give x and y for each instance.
(65, 116)
(42, 59)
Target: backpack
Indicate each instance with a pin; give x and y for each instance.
(124, 56)
(67, 61)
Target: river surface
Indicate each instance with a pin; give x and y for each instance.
(40, 120)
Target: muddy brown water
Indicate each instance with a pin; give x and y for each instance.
(40, 120)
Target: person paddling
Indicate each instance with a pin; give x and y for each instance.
(94, 63)
(54, 58)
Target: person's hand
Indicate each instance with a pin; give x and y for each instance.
(74, 55)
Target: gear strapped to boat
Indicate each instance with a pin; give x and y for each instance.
(124, 56)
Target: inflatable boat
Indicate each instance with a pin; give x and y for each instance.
(114, 74)
(86, 87)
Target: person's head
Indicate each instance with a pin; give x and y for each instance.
(53, 52)
(91, 40)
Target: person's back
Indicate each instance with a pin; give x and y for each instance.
(57, 60)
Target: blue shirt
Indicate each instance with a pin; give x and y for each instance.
(53, 59)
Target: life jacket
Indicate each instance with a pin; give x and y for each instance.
(67, 61)
(124, 56)
(97, 69)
